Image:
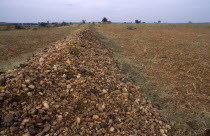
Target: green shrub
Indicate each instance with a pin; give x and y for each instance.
(19, 26)
(130, 27)
(44, 24)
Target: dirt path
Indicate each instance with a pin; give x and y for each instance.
(75, 88)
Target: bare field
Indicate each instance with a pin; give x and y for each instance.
(18, 45)
(171, 63)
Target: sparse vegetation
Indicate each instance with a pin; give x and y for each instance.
(44, 24)
(19, 26)
(130, 27)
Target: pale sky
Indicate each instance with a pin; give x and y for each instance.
(171, 11)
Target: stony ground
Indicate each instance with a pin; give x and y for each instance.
(75, 88)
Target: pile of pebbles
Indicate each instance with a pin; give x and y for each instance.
(74, 88)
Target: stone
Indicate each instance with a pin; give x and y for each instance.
(2, 94)
(41, 59)
(95, 117)
(26, 134)
(13, 129)
(69, 86)
(31, 86)
(168, 127)
(9, 118)
(27, 81)
(78, 120)
(45, 104)
(25, 121)
(104, 91)
(46, 129)
(162, 131)
(29, 94)
(111, 129)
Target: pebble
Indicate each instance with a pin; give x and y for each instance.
(168, 126)
(13, 129)
(111, 129)
(69, 86)
(2, 94)
(46, 129)
(78, 120)
(27, 81)
(162, 131)
(9, 118)
(25, 121)
(104, 91)
(1, 98)
(41, 59)
(31, 86)
(95, 117)
(29, 94)
(26, 134)
(45, 104)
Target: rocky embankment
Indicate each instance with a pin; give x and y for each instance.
(75, 88)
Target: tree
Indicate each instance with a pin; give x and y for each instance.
(104, 20)
(83, 21)
(137, 21)
(159, 21)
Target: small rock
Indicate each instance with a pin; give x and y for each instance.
(60, 117)
(167, 126)
(111, 129)
(31, 86)
(29, 94)
(46, 105)
(41, 59)
(9, 118)
(13, 129)
(68, 86)
(2, 81)
(78, 120)
(2, 94)
(1, 98)
(41, 93)
(104, 91)
(46, 129)
(31, 130)
(79, 75)
(26, 134)
(95, 117)
(27, 81)
(162, 131)
(25, 121)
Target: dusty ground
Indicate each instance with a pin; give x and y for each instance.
(17, 45)
(171, 63)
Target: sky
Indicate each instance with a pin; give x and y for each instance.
(170, 11)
